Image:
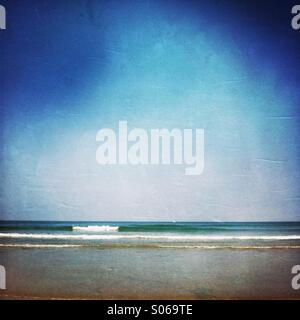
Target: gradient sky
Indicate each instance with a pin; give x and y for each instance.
(69, 68)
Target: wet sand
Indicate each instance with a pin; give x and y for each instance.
(74, 273)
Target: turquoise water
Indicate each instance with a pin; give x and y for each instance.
(158, 234)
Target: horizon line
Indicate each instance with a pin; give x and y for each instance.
(169, 221)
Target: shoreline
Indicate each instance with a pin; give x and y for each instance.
(148, 246)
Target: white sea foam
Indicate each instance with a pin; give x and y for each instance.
(103, 246)
(146, 237)
(233, 247)
(96, 228)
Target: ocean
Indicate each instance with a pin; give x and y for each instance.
(149, 260)
(205, 235)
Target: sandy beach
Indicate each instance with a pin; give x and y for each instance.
(149, 274)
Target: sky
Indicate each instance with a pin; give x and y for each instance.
(69, 68)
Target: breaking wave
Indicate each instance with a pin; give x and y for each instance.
(96, 228)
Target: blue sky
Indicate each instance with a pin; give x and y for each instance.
(70, 68)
